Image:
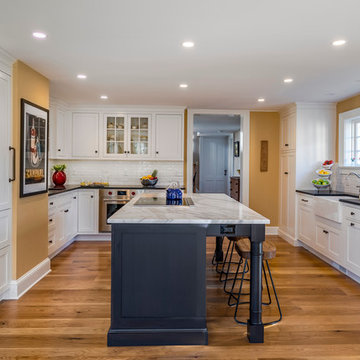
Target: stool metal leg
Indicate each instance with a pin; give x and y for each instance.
(239, 295)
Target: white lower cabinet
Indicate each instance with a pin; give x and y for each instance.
(88, 211)
(352, 257)
(306, 220)
(330, 242)
(63, 219)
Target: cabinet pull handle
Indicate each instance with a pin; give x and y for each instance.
(352, 213)
(352, 224)
(325, 232)
(51, 203)
(304, 200)
(74, 197)
(65, 211)
(13, 163)
(50, 220)
(286, 144)
(59, 149)
(92, 196)
(157, 153)
(50, 241)
(96, 151)
(286, 173)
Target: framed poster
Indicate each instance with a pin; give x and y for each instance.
(34, 149)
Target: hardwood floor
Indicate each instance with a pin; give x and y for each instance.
(67, 314)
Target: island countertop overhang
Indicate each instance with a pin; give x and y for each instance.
(207, 209)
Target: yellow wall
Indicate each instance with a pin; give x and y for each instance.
(342, 106)
(30, 214)
(264, 186)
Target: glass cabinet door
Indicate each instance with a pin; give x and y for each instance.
(115, 134)
(139, 135)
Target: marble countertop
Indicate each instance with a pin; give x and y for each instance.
(207, 209)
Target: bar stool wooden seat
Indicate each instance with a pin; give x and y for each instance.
(243, 248)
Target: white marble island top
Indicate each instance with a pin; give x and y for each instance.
(207, 209)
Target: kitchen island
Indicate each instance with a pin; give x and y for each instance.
(158, 278)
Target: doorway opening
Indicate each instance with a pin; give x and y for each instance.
(216, 152)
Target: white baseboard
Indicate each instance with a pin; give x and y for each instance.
(93, 237)
(19, 287)
(271, 230)
(290, 239)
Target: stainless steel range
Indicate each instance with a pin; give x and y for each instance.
(110, 201)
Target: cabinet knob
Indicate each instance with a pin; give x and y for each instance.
(96, 151)
(325, 232)
(50, 220)
(92, 196)
(286, 173)
(51, 203)
(352, 213)
(352, 224)
(59, 149)
(50, 241)
(286, 144)
(157, 152)
(74, 197)
(65, 211)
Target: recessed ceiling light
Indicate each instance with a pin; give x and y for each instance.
(288, 80)
(104, 97)
(339, 42)
(261, 100)
(188, 44)
(183, 86)
(39, 35)
(81, 76)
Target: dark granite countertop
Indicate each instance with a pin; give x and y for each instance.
(53, 191)
(326, 193)
(351, 201)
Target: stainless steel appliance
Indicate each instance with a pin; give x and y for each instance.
(110, 201)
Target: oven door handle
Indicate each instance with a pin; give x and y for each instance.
(114, 202)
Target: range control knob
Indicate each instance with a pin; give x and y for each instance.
(133, 193)
(110, 192)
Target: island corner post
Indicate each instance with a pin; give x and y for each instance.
(158, 282)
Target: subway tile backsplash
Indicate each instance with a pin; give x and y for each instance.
(119, 172)
(341, 181)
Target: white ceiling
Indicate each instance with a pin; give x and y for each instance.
(131, 50)
(211, 123)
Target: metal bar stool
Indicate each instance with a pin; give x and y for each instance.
(243, 248)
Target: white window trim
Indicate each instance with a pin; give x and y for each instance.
(345, 116)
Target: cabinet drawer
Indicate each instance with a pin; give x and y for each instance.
(351, 213)
(305, 201)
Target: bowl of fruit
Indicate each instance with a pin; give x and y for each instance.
(323, 173)
(328, 164)
(149, 180)
(321, 183)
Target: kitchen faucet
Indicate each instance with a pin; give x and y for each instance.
(357, 175)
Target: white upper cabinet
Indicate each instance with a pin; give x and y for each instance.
(127, 136)
(169, 137)
(5, 153)
(60, 134)
(288, 130)
(85, 135)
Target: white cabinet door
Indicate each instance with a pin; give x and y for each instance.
(287, 193)
(63, 134)
(60, 226)
(88, 211)
(322, 239)
(4, 270)
(169, 137)
(139, 136)
(85, 135)
(5, 228)
(5, 153)
(306, 225)
(352, 256)
(288, 132)
(74, 214)
(336, 246)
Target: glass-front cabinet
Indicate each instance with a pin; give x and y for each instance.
(127, 135)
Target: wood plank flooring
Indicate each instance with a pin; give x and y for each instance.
(67, 314)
